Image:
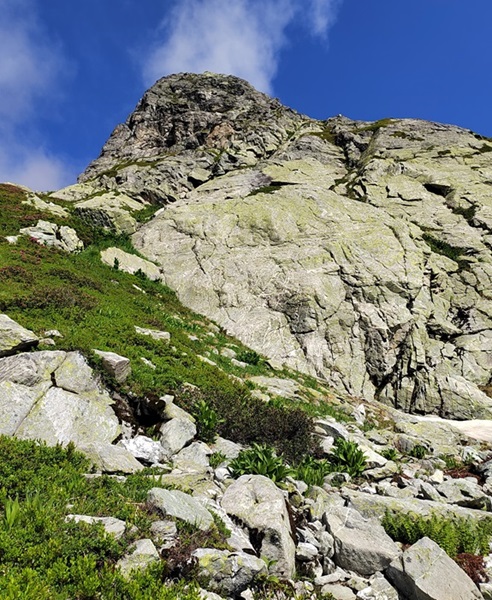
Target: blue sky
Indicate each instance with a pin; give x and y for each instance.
(71, 70)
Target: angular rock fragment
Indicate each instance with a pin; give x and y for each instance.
(177, 504)
(14, 338)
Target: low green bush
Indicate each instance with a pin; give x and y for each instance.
(260, 460)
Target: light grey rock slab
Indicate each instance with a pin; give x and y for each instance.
(228, 573)
(108, 458)
(117, 366)
(465, 493)
(182, 506)
(16, 401)
(155, 334)
(173, 411)
(228, 448)
(306, 552)
(14, 337)
(425, 572)
(175, 434)
(361, 545)
(277, 385)
(379, 589)
(322, 502)
(372, 505)
(31, 368)
(130, 263)
(163, 530)
(260, 505)
(75, 375)
(332, 428)
(194, 457)
(144, 448)
(115, 527)
(143, 553)
(63, 417)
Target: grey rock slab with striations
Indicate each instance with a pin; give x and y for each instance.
(130, 263)
(260, 505)
(117, 366)
(176, 434)
(182, 506)
(425, 572)
(15, 338)
(361, 545)
(108, 458)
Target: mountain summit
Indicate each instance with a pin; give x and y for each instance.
(357, 252)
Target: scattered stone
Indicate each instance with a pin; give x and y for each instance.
(115, 527)
(117, 366)
(228, 573)
(379, 589)
(337, 591)
(155, 334)
(465, 493)
(176, 434)
(49, 234)
(182, 506)
(15, 338)
(111, 459)
(194, 457)
(145, 449)
(143, 554)
(260, 505)
(148, 363)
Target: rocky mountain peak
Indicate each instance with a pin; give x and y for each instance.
(187, 112)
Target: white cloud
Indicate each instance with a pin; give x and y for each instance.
(34, 167)
(30, 74)
(242, 38)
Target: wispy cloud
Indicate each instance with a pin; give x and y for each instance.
(30, 74)
(243, 38)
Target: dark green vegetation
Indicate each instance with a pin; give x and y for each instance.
(441, 247)
(43, 556)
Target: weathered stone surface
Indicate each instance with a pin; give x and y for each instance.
(464, 493)
(58, 236)
(117, 366)
(175, 434)
(193, 458)
(111, 525)
(361, 545)
(14, 337)
(53, 396)
(145, 448)
(110, 210)
(177, 504)
(143, 553)
(260, 505)
(225, 572)
(111, 459)
(155, 334)
(130, 263)
(425, 572)
(379, 589)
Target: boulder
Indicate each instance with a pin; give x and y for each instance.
(117, 366)
(175, 434)
(111, 459)
(143, 553)
(111, 525)
(54, 396)
(379, 589)
(425, 572)
(15, 338)
(258, 503)
(182, 506)
(228, 573)
(155, 334)
(145, 449)
(49, 234)
(464, 492)
(130, 263)
(361, 545)
(193, 457)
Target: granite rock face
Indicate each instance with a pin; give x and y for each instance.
(358, 252)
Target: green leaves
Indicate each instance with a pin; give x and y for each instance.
(347, 457)
(260, 460)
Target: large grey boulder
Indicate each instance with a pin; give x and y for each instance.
(15, 338)
(464, 492)
(145, 449)
(59, 236)
(182, 506)
(227, 573)
(176, 434)
(261, 507)
(361, 545)
(425, 572)
(54, 396)
(109, 458)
